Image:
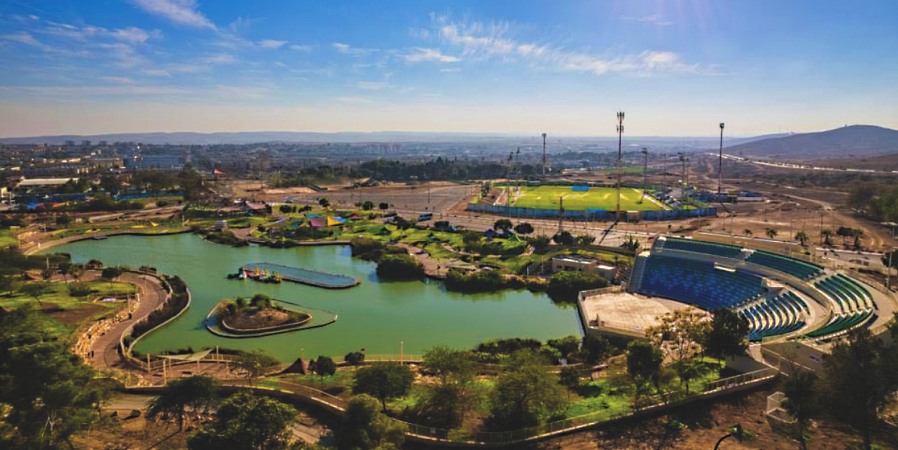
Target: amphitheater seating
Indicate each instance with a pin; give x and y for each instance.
(778, 316)
(795, 267)
(698, 283)
(847, 293)
(841, 323)
(708, 248)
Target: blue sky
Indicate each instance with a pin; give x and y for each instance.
(564, 67)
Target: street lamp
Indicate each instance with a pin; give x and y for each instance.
(620, 133)
(720, 161)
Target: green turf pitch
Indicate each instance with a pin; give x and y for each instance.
(546, 197)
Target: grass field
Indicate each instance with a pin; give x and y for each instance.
(546, 197)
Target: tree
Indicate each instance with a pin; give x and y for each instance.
(802, 238)
(367, 205)
(727, 336)
(354, 358)
(525, 393)
(255, 363)
(688, 369)
(857, 381)
(502, 224)
(523, 228)
(631, 243)
(747, 232)
(857, 239)
(35, 289)
(569, 377)
(247, 422)
(890, 259)
(596, 348)
(566, 345)
(684, 329)
(585, 239)
(196, 393)
(563, 238)
(801, 400)
(383, 381)
(325, 367)
(643, 365)
(770, 232)
(64, 267)
(324, 202)
(7, 283)
(51, 394)
(565, 286)
(827, 237)
(383, 206)
(399, 267)
(448, 364)
(111, 273)
(540, 242)
(366, 427)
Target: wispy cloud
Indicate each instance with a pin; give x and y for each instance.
(352, 100)
(419, 54)
(222, 58)
(347, 49)
(271, 43)
(654, 19)
(371, 85)
(181, 12)
(301, 48)
(118, 80)
(492, 40)
(22, 38)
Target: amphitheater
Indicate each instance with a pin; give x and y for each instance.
(784, 299)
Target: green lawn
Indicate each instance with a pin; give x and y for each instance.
(547, 197)
(6, 238)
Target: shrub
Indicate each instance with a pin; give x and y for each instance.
(564, 286)
(399, 267)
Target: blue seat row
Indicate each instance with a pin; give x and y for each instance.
(698, 282)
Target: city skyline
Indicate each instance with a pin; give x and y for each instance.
(676, 68)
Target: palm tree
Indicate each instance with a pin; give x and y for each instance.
(827, 237)
(770, 232)
(747, 232)
(802, 238)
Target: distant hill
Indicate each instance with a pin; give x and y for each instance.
(252, 137)
(850, 141)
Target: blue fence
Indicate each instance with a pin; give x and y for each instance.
(588, 215)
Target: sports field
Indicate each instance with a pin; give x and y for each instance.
(546, 197)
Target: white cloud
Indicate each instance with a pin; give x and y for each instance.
(371, 85)
(181, 12)
(301, 48)
(485, 41)
(23, 38)
(654, 19)
(119, 80)
(271, 43)
(341, 47)
(352, 100)
(347, 49)
(134, 35)
(419, 54)
(222, 58)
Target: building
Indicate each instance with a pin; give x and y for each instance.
(574, 263)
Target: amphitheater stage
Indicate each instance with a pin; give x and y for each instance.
(619, 313)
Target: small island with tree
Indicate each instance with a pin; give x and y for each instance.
(254, 317)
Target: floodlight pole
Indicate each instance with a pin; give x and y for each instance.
(544, 155)
(620, 133)
(645, 172)
(720, 161)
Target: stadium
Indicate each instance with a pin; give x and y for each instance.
(783, 299)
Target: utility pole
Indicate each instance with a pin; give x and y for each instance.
(645, 173)
(620, 133)
(720, 162)
(544, 155)
(682, 156)
(560, 214)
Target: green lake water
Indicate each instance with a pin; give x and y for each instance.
(374, 315)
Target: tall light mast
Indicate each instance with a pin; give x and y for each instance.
(720, 161)
(544, 155)
(645, 173)
(620, 132)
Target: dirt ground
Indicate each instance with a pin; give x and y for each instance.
(705, 424)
